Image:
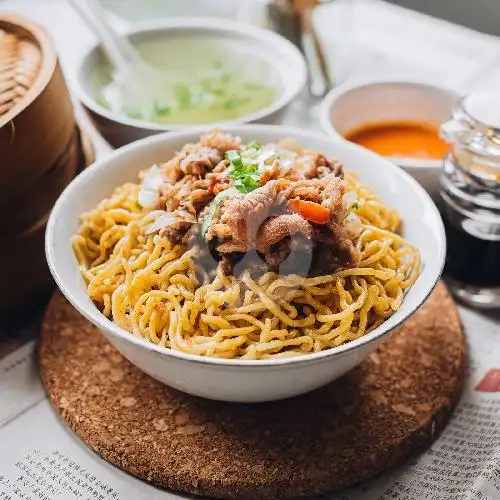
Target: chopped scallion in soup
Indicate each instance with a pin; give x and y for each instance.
(208, 85)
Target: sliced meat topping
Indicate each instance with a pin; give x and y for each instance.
(200, 161)
(278, 253)
(333, 249)
(200, 158)
(244, 215)
(333, 194)
(276, 228)
(266, 218)
(177, 233)
(194, 160)
(273, 200)
(322, 167)
(314, 166)
(232, 245)
(219, 231)
(221, 141)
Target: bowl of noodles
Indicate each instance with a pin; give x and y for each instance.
(250, 264)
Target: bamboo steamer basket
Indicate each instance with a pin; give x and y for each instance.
(37, 120)
(42, 193)
(26, 283)
(40, 152)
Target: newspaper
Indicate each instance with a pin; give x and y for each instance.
(40, 459)
(464, 462)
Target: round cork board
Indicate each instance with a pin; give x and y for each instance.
(390, 406)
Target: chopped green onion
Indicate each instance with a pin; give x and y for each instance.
(212, 86)
(134, 113)
(244, 167)
(234, 159)
(182, 95)
(161, 109)
(352, 207)
(234, 101)
(246, 184)
(220, 73)
(254, 86)
(253, 145)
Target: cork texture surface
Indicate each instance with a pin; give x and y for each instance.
(392, 405)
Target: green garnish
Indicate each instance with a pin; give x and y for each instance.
(182, 95)
(160, 109)
(234, 101)
(213, 207)
(220, 72)
(234, 159)
(244, 167)
(247, 183)
(253, 146)
(244, 172)
(254, 86)
(134, 113)
(212, 86)
(353, 206)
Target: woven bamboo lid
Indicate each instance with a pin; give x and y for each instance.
(20, 61)
(36, 113)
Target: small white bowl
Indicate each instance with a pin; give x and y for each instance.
(274, 53)
(373, 100)
(243, 380)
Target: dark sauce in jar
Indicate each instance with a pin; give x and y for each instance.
(470, 199)
(471, 259)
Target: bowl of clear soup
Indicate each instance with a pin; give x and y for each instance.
(225, 73)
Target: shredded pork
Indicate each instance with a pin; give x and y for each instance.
(244, 215)
(275, 229)
(261, 220)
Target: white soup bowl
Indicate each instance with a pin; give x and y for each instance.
(367, 101)
(277, 63)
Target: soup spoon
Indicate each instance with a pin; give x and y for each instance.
(136, 87)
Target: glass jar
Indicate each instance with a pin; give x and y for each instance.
(470, 200)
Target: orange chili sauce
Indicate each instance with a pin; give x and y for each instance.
(402, 139)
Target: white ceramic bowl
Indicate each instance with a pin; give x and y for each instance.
(373, 100)
(243, 380)
(278, 58)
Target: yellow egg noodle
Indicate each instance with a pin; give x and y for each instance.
(157, 291)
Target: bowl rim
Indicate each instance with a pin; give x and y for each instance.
(291, 86)
(106, 325)
(362, 82)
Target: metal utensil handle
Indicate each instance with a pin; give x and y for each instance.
(319, 78)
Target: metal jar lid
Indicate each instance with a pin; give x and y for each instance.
(474, 132)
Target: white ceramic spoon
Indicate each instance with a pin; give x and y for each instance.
(137, 87)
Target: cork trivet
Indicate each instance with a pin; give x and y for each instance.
(392, 405)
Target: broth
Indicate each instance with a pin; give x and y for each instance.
(213, 82)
